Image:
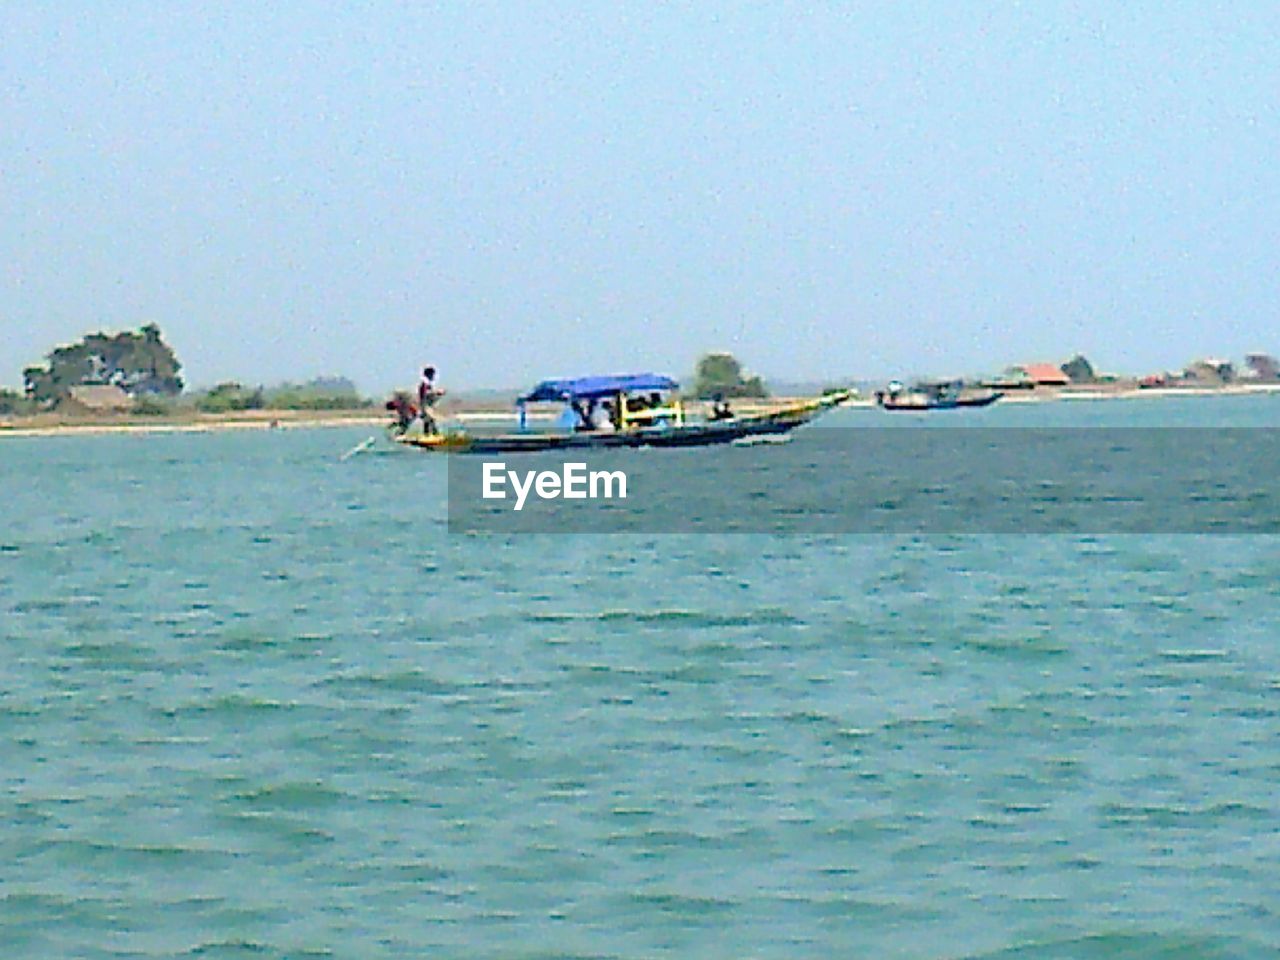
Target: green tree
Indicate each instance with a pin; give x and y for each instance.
(152, 406)
(139, 362)
(230, 397)
(1079, 369)
(12, 402)
(721, 374)
(322, 393)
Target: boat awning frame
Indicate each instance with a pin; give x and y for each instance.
(597, 388)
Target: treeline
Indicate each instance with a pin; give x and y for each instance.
(138, 372)
(13, 403)
(322, 393)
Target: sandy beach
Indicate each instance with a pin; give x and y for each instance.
(53, 424)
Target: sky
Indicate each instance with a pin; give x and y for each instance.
(512, 191)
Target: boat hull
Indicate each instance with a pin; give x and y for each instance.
(952, 404)
(696, 435)
(703, 434)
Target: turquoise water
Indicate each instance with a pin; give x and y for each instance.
(256, 702)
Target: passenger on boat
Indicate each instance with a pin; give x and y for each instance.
(720, 408)
(428, 394)
(638, 409)
(405, 411)
(611, 414)
(568, 418)
(586, 415)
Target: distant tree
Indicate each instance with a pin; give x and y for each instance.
(230, 397)
(334, 385)
(721, 373)
(140, 363)
(1079, 369)
(322, 393)
(152, 406)
(1263, 366)
(1210, 371)
(12, 402)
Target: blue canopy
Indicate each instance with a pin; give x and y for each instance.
(596, 388)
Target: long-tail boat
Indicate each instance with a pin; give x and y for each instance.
(943, 395)
(641, 410)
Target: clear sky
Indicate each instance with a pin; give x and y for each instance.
(518, 190)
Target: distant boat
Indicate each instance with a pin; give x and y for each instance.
(944, 395)
(642, 410)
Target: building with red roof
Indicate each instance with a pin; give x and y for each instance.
(1044, 374)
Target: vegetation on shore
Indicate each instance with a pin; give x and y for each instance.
(138, 363)
(320, 394)
(137, 374)
(721, 375)
(14, 404)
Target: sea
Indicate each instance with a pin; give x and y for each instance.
(257, 701)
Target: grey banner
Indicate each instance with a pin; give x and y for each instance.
(923, 481)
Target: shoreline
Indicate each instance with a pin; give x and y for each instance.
(1086, 393)
(53, 425)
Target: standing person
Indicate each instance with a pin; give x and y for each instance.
(428, 394)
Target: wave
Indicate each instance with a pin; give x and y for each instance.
(1020, 646)
(1133, 946)
(684, 618)
(161, 855)
(234, 704)
(686, 905)
(236, 948)
(293, 795)
(57, 604)
(1171, 815)
(1193, 656)
(403, 681)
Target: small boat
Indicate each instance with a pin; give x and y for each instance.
(642, 410)
(943, 395)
